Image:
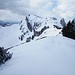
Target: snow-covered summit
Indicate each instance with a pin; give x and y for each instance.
(33, 26)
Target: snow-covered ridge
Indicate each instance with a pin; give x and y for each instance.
(33, 26)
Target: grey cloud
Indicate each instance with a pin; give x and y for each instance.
(23, 7)
(16, 6)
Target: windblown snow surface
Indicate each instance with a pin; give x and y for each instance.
(53, 55)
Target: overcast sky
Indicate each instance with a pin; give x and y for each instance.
(17, 9)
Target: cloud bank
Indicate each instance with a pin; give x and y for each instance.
(16, 9)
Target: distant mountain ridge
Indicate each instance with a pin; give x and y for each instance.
(7, 23)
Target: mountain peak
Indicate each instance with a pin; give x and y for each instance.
(34, 25)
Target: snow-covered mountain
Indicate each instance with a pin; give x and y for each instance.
(34, 26)
(52, 55)
(7, 23)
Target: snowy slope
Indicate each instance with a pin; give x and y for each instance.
(50, 56)
(9, 35)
